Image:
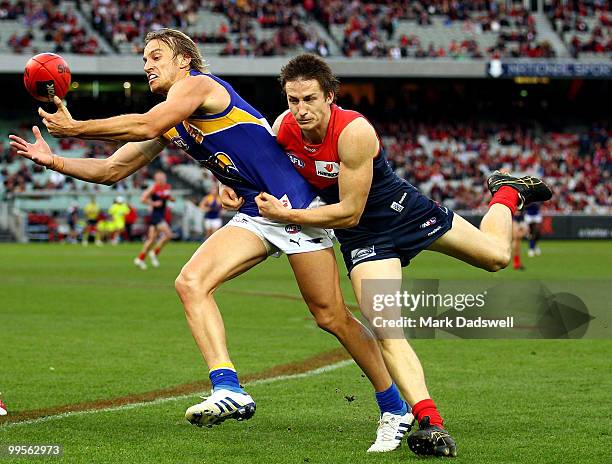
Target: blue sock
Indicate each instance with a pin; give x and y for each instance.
(532, 244)
(226, 379)
(391, 401)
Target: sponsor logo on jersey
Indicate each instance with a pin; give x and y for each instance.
(308, 149)
(434, 231)
(327, 169)
(430, 222)
(179, 142)
(285, 201)
(360, 254)
(295, 160)
(293, 228)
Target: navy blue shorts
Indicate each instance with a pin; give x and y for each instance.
(157, 218)
(401, 227)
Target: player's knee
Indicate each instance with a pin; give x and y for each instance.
(330, 319)
(190, 285)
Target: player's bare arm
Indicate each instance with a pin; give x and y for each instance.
(184, 97)
(122, 163)
(145, 198)
(357, 146)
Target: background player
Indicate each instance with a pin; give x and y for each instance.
(381, 221)
(92, 211)
(519, 232)
(159, 233)
(73, 221)
(211, 205)
(203, 115)
(533, 220)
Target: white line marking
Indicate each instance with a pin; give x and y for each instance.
(125, 407)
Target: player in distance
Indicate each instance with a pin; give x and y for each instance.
(205, 116)
(212, 209)
(381, 221)
(156, 196)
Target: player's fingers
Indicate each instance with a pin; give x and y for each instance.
(18, 146)
(17, 139)
(36, 132)
(58, 102)
(42, 113)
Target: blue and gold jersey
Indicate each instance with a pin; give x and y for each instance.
(239, 148)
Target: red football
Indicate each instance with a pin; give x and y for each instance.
(47, 75)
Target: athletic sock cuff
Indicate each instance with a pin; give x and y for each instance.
(506, 196)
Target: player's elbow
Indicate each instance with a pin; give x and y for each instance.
(150, 127)
(352, 218)
(351, 221)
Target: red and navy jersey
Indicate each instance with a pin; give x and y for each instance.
(320, 164)
(160, 193)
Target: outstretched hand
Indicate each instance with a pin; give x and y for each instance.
(60, 123)
(39, 151)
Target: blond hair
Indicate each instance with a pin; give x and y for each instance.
(180, 44)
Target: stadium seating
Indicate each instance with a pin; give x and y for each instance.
(586, 27)
(391, 29)
(31, 27)
(449, 163)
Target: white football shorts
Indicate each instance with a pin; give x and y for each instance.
(285, 238)
(213, 223)
(533, 219)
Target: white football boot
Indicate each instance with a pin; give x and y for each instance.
(391, 430)
(221, 405)
(140, 263)
(153, 258)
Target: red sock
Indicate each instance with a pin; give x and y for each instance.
(156, 251)
(506, 196)
(141, 256)
(428, 408)
(517, 261)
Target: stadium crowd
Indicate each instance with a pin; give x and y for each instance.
(449, 162)
(60, 29)
(592, 19)
(377, 28)
(370, 28)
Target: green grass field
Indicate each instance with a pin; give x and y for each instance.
(82, 325)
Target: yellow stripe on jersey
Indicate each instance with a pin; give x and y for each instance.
(234, 117)
(199, 128)
(170, 134)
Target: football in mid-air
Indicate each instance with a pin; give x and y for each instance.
(47, 75)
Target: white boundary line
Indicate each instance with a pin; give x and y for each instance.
(125, 407)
